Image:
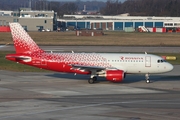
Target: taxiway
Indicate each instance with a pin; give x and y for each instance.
(56, 96)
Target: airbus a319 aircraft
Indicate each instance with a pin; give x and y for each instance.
(112, 66)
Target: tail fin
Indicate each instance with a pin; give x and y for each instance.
(23, 43)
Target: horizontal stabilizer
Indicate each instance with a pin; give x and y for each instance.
(18, 58)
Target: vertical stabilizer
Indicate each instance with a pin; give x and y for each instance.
(23, 43)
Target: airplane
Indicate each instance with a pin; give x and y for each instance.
(113, 66)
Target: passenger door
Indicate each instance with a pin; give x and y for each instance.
(147, 61)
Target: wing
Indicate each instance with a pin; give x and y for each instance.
(90, 68)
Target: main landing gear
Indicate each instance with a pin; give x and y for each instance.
(147, 78)
(92, 79)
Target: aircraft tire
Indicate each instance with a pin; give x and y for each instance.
(91, 81)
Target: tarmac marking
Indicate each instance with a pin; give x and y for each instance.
(62, 93)
(3, 89)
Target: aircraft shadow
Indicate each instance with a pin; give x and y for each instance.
(129, 78)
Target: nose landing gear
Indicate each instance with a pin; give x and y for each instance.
(147, 78)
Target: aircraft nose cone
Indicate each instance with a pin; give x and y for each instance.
(170, 67)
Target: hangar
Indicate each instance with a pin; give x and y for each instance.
(119, 22)
(36, 20)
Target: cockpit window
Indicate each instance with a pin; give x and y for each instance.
(161, 61)
(164, 60)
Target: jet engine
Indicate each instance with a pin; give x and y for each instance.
(115, 75)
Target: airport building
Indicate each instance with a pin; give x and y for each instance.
(47, 20)
(120, 22)
(30, 20)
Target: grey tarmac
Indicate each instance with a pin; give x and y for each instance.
(59, 96)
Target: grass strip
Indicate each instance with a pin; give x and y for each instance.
(110, 38)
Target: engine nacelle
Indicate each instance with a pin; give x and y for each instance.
(115, 75)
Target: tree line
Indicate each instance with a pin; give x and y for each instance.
(143, 7)
(60, 7)
(111, 7)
